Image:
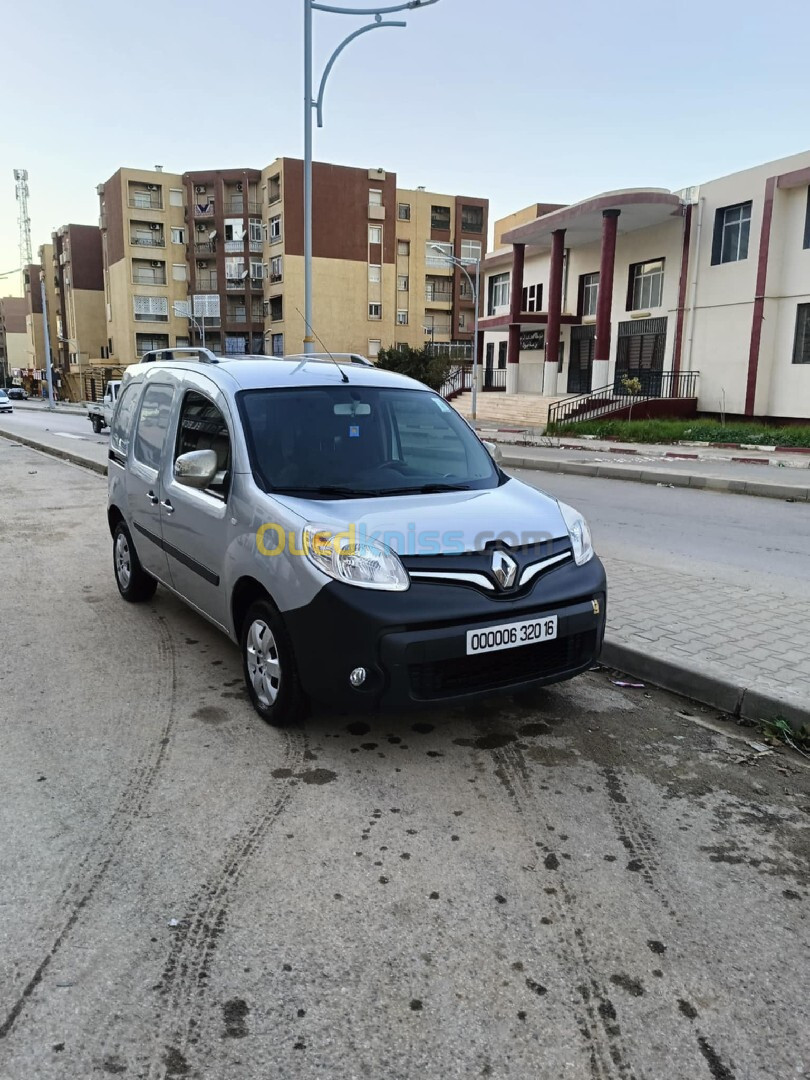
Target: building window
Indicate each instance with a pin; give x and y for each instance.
(178, 236)
(532, 298)
(646, 285)
(402, 318)
(732, 225)
(150, 308)
(175, 197)
(502, 352)
(148, 273)
(148, 342)
(404, 211)
(402, 283)
(275, 308)
(179, 272)
(470, 250)
(273, 195)
(276, 268)
(375, 234)
(375, 197)
(145, 196)
(374, 346)
(462, 320)
(277, 344)
(472, 218)
(498, 292)
(807, 222)
(256, 271)
(375, 311)
(801, 346)
(182, 341)
(255, 231)
(375, 273)
(440, 217)
(404, 248)
(274, 229)
(589, 286)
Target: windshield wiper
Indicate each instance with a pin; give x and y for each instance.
(326, 489)
(425, 489)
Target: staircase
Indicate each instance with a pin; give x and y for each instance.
(509, 410)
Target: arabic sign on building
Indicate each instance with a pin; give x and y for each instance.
(532, 340)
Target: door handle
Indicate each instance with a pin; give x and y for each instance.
(167, 506)
(152, 497)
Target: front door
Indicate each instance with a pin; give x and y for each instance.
(580, 359)
(196, 524)
(144, 489)
(640, 354)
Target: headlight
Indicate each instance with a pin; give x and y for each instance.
(579, 532)
(365, 563)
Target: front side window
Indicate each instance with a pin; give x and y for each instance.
(202, 427)
(121, 428)
(590, 293)
(801, 345)
(358, 441)
(732, 226)
(646, 285)
(153, 423)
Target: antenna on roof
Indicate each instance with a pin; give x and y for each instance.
(343, 374)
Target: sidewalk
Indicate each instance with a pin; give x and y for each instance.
(72, 407)
(782, 476)
(740, 649)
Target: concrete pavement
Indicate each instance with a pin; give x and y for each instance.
(587, 882)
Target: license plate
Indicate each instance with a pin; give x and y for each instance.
(511, 635)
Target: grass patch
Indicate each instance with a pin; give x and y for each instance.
(669, 431)
(779, 730)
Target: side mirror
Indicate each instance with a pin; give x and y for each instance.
(196, 469)
(494, 451)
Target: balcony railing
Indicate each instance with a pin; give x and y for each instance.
(235, 284)
(148, 241)
(149, 277)
(206, 282)
(212, 322)
(256, 246)
(436, 296)
(254, 207)
(236, 317)
(275, 278)
(257, 283)
(205, 247)
(438, 328)
(204, 208)
(235, 205)
(146, 201)
(235, 245)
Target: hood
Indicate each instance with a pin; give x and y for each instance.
(445, 523)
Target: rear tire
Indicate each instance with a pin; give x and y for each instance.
(134, 584)
(97, 425)
(268, 664)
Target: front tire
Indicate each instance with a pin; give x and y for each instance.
(97, 425)
(268, 663)
(134, 584)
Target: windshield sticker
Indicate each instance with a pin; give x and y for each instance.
(354, 431)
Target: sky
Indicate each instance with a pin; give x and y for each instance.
(519, 101)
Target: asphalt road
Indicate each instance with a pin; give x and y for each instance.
(585, 882)
(61, 430)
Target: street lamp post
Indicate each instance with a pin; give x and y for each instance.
(460, 263)
(311, 103)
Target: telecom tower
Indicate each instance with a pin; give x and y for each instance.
(21, 191)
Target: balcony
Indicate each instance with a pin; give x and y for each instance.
(149, 276)
(237, 246)
(376, 212)
(204, 209)
(146, 200)
(257, 284)
(254, 207)
(234, 204)
(235, 284)
(206, 282)
(236, 317)
(205, 247)
(256, 246)
(157, 240)
(212, 322)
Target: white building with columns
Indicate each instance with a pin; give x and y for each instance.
(699, 293)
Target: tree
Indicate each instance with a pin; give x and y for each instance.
(632, 386)
(417, 364)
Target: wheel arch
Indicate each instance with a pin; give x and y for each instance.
(114, 515)
(245, 592)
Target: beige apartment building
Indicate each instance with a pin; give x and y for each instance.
(45, 255)
(78, 305)
(13, 339)
(230, 243)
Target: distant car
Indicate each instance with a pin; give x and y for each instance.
(5, 403)
(16, 393)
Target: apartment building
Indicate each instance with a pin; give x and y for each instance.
(380, 272)
(13, 339)
(34, 327)
(225, 232)
(45, 255)
(704, 290)
(78, 304)
(144, 233)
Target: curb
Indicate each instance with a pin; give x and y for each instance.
(763, 489)
(57, 452)
(707, 686)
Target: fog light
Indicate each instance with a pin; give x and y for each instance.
(358, 676)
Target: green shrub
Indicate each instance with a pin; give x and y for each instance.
(416, 364)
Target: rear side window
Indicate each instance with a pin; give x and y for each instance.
(153, 423)
(122, 421)
(202, 427)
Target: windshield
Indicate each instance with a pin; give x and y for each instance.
(349, 441)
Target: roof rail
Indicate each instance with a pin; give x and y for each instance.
(343, 358)
(204, 356)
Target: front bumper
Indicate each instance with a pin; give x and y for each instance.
(413, 644)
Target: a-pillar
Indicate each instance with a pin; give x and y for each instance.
(555, 285)
(604, 302)
(515, 304)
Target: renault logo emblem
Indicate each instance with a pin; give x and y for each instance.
(505, 569)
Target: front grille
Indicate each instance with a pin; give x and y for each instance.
(491, 671)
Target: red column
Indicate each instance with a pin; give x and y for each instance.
(604, 303)
(516, 302)
(555, 286)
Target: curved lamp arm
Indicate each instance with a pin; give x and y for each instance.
(327, 70)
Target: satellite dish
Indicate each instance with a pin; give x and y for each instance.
(212, 234)
(245, 274)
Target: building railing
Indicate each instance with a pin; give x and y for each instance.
(205, 247)
(453, 350)
(148, 241)
(204, 209)
(608, 399)
(494, 378)
(146, 201)
(235, 245)
(206, 282)
(439, 296)
(256, 246)
(235, 284)
(144, 277)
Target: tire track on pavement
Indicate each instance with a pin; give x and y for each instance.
(94, 865)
